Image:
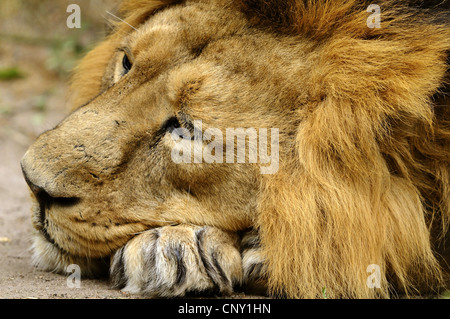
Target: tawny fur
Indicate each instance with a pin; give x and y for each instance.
(365, 138)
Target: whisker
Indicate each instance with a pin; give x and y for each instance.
(120, 19)
(161, 221)
(148, 230)
(109, 21)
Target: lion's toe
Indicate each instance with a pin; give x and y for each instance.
(175, 260)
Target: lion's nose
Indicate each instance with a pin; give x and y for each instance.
(40, 180)
(39, 192)
(34, 188)
(44, 197)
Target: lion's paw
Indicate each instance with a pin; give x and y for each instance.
(253, 263)
(174, 260)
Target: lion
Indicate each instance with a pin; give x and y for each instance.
(358, 203)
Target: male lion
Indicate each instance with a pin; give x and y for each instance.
(359, 203)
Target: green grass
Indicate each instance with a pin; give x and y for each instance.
(11, 73)
(324, 293)
(5, 110)
(445, 295)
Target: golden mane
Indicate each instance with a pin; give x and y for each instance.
(370, 171)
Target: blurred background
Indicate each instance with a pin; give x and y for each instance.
(37, 54)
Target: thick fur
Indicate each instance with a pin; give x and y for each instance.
(363, 178)
(182, 258)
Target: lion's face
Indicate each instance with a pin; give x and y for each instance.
(107, 171)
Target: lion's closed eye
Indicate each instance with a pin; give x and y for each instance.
(181, 128)
(171, 125)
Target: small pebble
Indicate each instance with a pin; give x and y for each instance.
(4, 240)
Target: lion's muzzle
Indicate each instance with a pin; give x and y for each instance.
(43, 200)
(75, 173)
